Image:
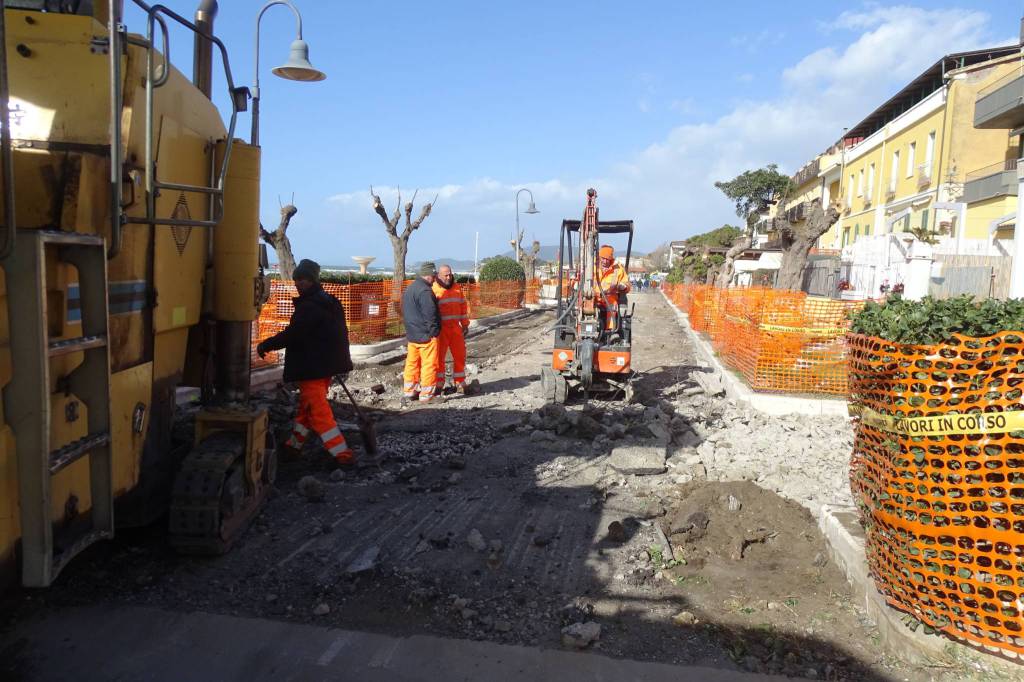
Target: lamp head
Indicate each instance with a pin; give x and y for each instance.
(532, 209)
(298, 68)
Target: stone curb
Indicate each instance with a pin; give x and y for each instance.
(845, 539)
(736, 389)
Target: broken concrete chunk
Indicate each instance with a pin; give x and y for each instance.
(321, 609)
(378, 388)
(312, 488)
(476, 540)
(684, 618)
(734, 504)
(641, 460)
(365, 562)
(581, 635)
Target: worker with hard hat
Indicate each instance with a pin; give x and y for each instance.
(316, 349)
(613, 281)
(454, 309)
(422, 328)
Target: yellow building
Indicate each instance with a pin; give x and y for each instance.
(903, 167)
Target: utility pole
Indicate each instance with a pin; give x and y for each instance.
(476, 257)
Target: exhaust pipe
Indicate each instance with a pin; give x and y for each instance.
(202, 56)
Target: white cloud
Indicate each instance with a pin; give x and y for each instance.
(668, 186)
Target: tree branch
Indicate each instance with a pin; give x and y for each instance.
(378, 207)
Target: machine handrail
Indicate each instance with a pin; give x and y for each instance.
(216, 191)
(5, 143)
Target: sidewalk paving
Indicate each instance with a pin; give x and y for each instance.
(134, 643)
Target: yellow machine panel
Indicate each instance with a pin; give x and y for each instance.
(112, 280)
(130, 393)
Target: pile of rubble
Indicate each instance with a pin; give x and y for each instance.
(696, 436)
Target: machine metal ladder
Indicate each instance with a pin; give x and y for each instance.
(27, 397)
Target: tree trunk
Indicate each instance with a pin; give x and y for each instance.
(798, 240)
(726, 272)
(399, 250)
(285, 260)
(278, 239)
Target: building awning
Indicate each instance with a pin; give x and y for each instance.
(769, 260)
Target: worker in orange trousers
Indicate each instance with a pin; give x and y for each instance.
(316, 349)
(422, 327)
(454, 308)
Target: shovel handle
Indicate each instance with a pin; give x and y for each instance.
(351, 399)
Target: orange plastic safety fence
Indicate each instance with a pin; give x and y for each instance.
(372, 314)
(781, 341)
(938, 469)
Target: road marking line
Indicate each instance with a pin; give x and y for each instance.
(335, 647)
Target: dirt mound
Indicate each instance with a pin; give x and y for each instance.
(721, 528)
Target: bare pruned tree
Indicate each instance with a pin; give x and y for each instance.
(529, 260)
(400, 240)
(278, 239)
(725, 273)
(797, 240)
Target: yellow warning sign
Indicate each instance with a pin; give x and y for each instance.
(942, 425)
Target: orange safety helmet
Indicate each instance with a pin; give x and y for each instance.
(607, 252)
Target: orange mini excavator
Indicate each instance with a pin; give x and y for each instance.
(593, 335)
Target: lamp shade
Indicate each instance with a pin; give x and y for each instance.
(532, 208)
(298, 68)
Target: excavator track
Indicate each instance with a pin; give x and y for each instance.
(212, 503)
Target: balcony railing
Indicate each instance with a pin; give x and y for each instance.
(796, 213)
(807, 173)
(992, 169)
(924, 175)
(1001, 104)
(996, 180)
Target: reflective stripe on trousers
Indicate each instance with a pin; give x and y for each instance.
(421, 367)
(315, 415)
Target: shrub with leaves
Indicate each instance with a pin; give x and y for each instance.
(502, 269)
(930, 321)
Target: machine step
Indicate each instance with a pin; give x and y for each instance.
(65, 346)
(62, 557)
(64, 456)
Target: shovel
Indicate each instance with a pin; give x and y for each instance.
(366, 428)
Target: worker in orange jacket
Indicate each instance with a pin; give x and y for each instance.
(613, 282)
(454, 323)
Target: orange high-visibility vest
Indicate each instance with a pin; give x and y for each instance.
(611, 277)
(453, 306)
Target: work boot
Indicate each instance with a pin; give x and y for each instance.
(287, 453)
(345, 458)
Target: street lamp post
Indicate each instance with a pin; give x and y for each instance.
(531, 210)
(297, 68)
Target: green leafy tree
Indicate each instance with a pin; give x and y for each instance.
(502, 269)
(726, 235)
(753, 191)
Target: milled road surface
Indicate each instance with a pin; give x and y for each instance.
(491, 522)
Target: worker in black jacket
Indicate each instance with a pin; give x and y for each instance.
(422, 327)
(316, 349)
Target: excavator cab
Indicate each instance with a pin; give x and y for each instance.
(592, 334)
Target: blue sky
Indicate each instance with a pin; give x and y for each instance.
(648, 102)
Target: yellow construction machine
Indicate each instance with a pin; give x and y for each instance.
(130, 267)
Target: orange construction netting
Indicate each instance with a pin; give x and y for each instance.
(938, 467)
(780, 341)
(372, 314)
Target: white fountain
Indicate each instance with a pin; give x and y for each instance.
(363, 262)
